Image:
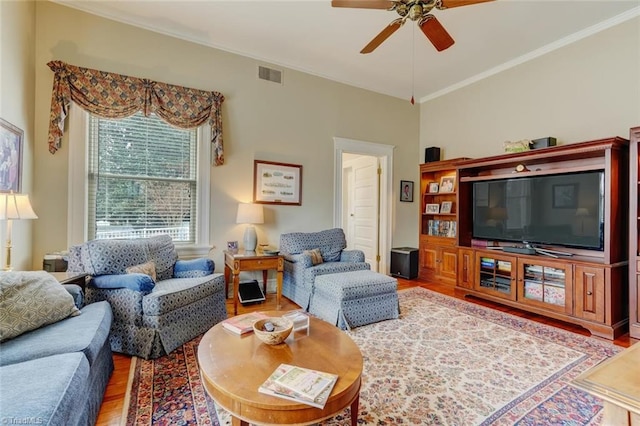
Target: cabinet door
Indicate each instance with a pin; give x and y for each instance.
(448, 263)
(589, 293)
(545, 284)
(496, 275)
(465, 268)
(428, 259)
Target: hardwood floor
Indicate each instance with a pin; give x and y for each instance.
(113, 403)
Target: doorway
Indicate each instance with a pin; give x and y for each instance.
(362, 193)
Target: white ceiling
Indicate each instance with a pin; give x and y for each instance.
(311, 36)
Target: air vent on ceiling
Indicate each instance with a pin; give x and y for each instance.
(270, 74)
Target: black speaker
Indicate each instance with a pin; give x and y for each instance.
(431, 154)
(404, 262)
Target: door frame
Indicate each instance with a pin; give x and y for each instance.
(385, 154)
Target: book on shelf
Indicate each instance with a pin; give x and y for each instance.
(241, 324)
(299, 384)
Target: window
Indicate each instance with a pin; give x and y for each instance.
(137, 177)
(142, 179)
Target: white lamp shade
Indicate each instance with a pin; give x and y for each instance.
(250, 213)
(16, 206)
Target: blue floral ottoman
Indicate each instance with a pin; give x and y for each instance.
(352, 299)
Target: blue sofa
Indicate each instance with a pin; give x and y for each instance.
(57, 374)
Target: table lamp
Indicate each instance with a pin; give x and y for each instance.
(14, 207)
(250, 214)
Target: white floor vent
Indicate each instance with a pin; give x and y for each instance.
(270, 74)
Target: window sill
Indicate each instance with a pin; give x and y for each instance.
(190, 251)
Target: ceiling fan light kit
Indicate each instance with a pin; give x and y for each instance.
(415, 10)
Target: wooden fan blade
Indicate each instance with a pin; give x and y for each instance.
(384, 34)
(363, 4)
(446, 4)
(436, 33)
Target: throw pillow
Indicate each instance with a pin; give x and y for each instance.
(148, 268)
(30, 300)
(316, 256)
(133, 281)
(193, 268)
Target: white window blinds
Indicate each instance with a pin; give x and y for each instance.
(142, 179)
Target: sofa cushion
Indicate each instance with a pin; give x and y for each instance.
(147, 268)
(29, 300)
(133, 281)
(84, 333)
(169, 295)
(48, 390)
(193, 268)
(163, 253)
(330, 242)
(106, 257)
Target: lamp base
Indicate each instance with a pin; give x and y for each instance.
(250, 238)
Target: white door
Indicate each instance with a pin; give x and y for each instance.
(362, 206)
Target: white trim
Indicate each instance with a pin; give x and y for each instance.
(385, 155)
(77, 205)
(570, 39)
(77, 188)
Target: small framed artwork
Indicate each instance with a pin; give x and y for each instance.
(232, 245)
(447, 184)
(565, 196)
(10, 157)
(432, 209)
(446, 207)
(433, 187)
(277, 183)
(406, 191)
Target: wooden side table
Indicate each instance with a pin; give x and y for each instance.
(238, 261)
(617, 382)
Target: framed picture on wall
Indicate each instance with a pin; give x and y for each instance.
(406, 191)
(10, 157)
(277, 183)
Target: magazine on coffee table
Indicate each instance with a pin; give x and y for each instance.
(242, 324)
(299, 384)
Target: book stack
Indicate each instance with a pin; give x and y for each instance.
(299, 384)
(241, 324)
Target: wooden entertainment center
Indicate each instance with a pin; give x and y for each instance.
(581, 286)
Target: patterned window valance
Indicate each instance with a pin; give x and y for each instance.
(112, 95)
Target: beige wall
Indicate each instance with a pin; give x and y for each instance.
(292, 123)
(585, 91)
(17, 45)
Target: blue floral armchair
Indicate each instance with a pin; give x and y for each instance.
(300, 269)
(151, 317)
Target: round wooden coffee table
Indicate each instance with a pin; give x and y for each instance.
(233, 367)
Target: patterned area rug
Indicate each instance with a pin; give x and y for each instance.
(444, 362)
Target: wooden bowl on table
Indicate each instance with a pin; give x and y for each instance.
(281, 329)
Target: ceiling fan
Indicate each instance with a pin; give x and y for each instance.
(416, 10)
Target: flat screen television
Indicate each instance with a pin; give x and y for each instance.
(560, 210)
